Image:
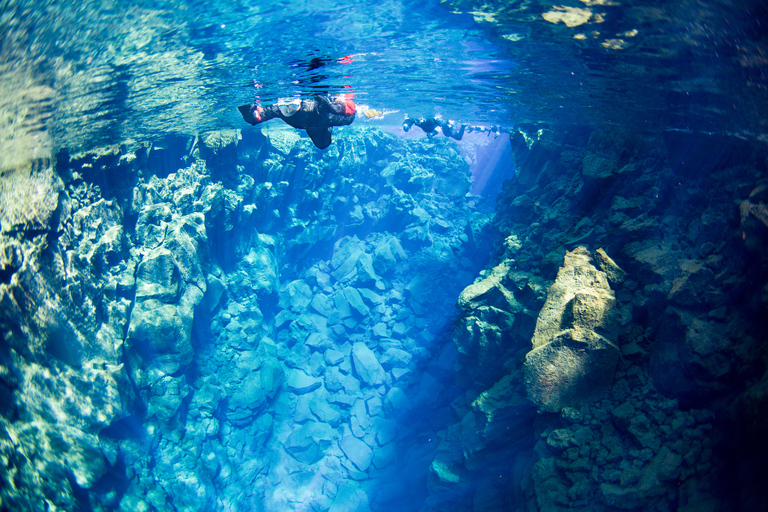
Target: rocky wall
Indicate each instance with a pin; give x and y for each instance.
(677, 222)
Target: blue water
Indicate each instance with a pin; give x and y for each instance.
(110, 70)
(198, 314)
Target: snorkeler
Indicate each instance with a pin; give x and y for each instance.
(317, 116)
(431, 124)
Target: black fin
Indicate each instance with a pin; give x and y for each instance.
(247, 112)
(321, 136)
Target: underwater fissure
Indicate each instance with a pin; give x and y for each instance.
(256, 324)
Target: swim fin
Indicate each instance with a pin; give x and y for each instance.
(247, 113)
(321, 136)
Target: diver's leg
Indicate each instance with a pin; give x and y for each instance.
(459, 135)
(255, 113)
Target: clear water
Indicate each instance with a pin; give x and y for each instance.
(97, 72)
(106, 76)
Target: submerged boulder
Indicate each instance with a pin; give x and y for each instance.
(575, 342)
(493, 323)
(367, 366)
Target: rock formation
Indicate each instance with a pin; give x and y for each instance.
(660, 431)
(575, 342)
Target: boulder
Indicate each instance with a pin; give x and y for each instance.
(357, 451)
(333, 356)
(355, 300)
(300, 383)
(493, 322)
(691, 358)
(261, 267)
(296, 296)
(350, 498)
(302, 446)
(595, 166)
(158, 276)
(575, 342)
(395, 358)
(325, 412)
(365, 271)
(505, 412)
(366, 365)
(161, 335)
(322, 304)
(387, 253)
(170, 284)
(344, 260)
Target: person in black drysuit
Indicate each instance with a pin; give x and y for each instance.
(430, 127)
(317, 116)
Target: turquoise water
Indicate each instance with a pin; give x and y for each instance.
(562, 310)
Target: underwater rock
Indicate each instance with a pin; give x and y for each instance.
(61, 378)
(324, 411)
(489, 323)
(281, 141)
(160, 334)
(350, 498)
(355, 301)
(219, 150)
(322, 304)
(574, 345)
(216, 428)
(365, 271)
(29, 198)
(357, 451)
(654, 260)
(255, 390)
(387, 253)
(693, 357)
(188, 300)
(344, 260)
(300, 383)
(158, 276)
(296, 296)
(446, 467)
(504, 409)
(613, 272)
(395, 358)
(595, 166)
(533, 148)
(170, 284)
(260, 266)
(366, 365)
(302, 444)
(167, 395)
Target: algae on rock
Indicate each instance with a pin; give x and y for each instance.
(575, 342)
